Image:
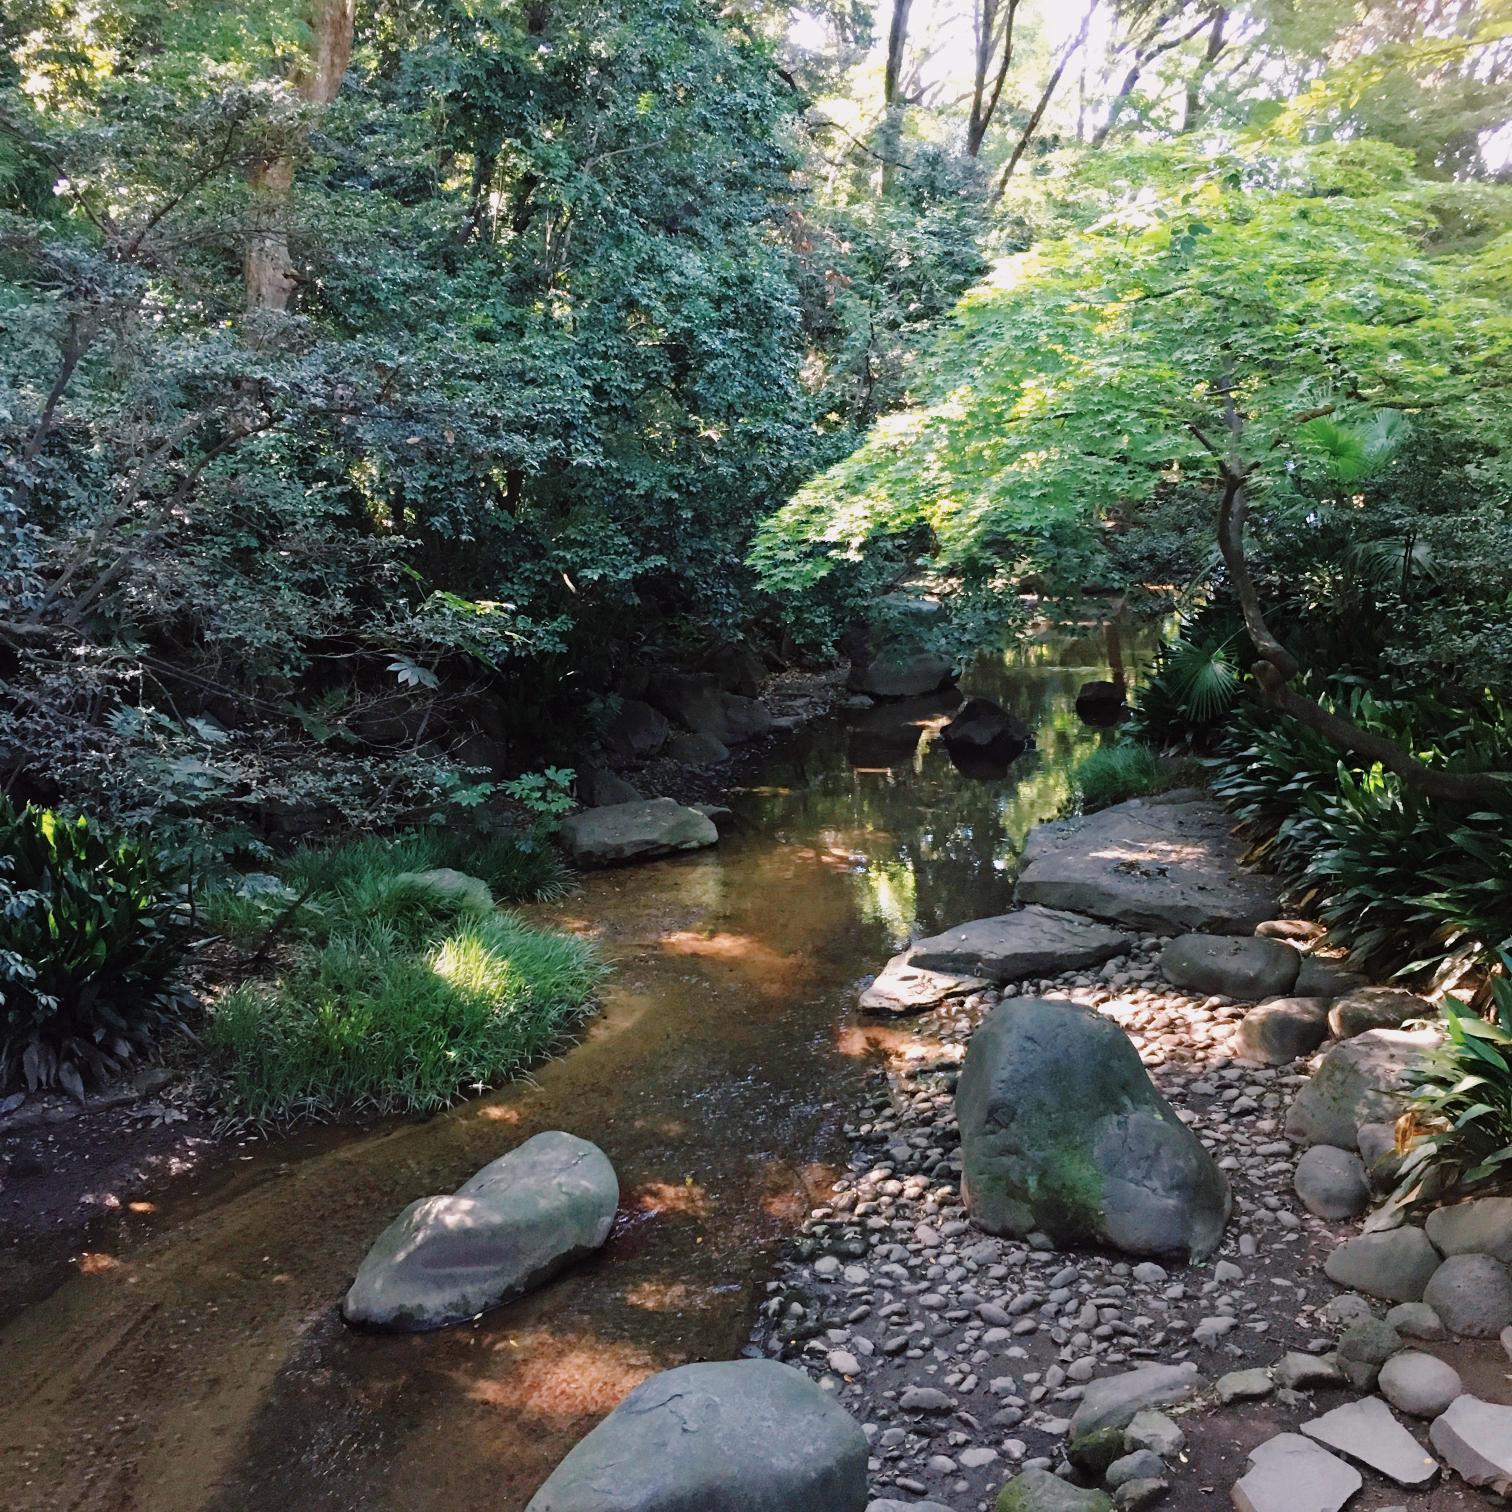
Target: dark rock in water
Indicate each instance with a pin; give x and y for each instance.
(901, 676)
(635, 832)
(637, 731)
(1062, 1131)
(505, 1230)
(729, 1436)
(984, 728)
(1101, 704)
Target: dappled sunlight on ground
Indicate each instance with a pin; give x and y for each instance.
(561, 1376)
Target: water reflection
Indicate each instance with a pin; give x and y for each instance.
(931, 840)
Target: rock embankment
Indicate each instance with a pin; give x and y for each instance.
(1018, 1368)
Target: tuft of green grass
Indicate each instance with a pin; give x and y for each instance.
(1112, 773)
(397, 998)
(367, 1023)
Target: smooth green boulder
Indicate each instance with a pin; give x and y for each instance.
(1063, 1132)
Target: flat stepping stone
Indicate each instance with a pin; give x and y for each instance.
(902, 987)
(1029, 942)
(1292, 1474)
(1368, 1432)
(1475, 1440)
(1167, 867)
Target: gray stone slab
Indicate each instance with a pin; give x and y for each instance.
(1171, 868)
(1292, 1474)
(903, 987)
(1029, 942)
(1475, 1440)
(1368, 1432)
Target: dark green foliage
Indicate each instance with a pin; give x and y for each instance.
(1410, 885)
(1190, 689)
(1460, 1112)
(89, 941)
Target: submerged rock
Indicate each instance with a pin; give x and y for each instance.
(1101, 703)
(1169, 867)
(635, 832)
(505, 1230)
(730, 1436)
(1063, 1132)
(984, 728)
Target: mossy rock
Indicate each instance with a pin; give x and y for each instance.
(1094, 1452)
(1039, 1491)
(1062, 1131)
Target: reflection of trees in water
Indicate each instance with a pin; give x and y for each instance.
(932, 846)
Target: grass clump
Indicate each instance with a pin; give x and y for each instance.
(392, 996)
(1112, 773)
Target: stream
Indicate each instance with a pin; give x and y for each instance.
(204, 1365)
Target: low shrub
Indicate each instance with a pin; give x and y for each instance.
(1458, 1127)
(366, 1022)
(1408, 884)
(90, 939)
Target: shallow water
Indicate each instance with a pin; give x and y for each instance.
(204, 1365)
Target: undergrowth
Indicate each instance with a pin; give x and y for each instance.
(393, 993)
(1127, 769)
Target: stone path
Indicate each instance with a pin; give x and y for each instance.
(967, 1358)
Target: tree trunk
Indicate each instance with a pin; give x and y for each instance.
(1032, 125)
(270, 276)
(1215, 45)
(891, 136)
(993, 41)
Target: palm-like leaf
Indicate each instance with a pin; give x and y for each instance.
(1204, 678)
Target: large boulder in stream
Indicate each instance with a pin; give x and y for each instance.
(984, 728)
(1166, 867)
(729, 1436)
(504, 1231)
(1063, 1132)
(635, 832)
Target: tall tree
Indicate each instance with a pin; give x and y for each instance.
(315, 77)
(992, 30)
